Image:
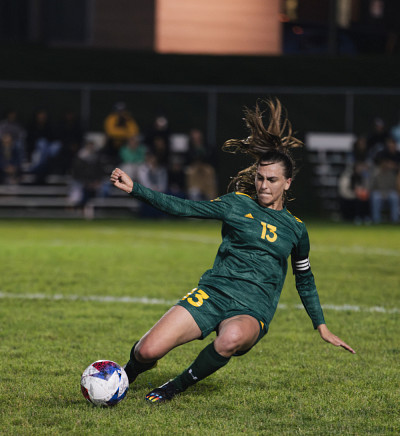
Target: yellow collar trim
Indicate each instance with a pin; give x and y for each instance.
(242, 193)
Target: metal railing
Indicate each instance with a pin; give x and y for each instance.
(212, 93)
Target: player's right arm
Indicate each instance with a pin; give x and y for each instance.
(215, 209)
(121, 180)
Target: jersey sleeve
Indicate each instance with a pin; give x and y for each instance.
(214, 209)
(305, 283)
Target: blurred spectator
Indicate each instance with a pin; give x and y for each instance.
(354, 184)
(70, 134)
(158, 139)
(384, 187)
(176, 177)
(201, 181)
(160, 149)
(389, 155)
(10, 159)
(153, 175)
(347, 196)
(360, 183)
(39, 129)
(119, 126)
(11, 125)
(132, 155)
(376, 139)
(395, 133)
(160, 129)
(87, 177)
(360, 150)
(42, 145)
(354, 194)
(197, 147)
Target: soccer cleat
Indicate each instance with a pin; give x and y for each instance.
(162, 394)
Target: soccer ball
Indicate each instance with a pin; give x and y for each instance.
(104, 383)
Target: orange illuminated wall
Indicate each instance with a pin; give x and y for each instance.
(218, 27)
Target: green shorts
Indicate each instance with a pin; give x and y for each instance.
(209, 308)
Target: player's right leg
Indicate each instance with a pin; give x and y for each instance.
(175, 328)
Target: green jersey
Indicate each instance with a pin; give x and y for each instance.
(252, 260)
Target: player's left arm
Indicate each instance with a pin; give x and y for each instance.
(329, 337)
(307, 290)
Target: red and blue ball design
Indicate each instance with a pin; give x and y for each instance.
(104, 383)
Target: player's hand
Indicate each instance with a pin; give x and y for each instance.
(121, 180)
(329, 337)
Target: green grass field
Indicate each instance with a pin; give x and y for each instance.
(291, 383)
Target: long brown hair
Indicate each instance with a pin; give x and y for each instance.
(270, 144)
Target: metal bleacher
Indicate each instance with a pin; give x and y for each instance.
(52, 201)
(328, 153)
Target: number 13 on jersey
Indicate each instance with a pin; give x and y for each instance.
(271, 235)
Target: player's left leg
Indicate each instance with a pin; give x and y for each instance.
(236, 334)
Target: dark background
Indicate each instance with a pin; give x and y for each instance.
(48, 42)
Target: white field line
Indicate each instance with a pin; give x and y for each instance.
(357, 249)
(95, 298)
(160, 301)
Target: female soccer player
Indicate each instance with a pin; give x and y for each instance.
(238, 297)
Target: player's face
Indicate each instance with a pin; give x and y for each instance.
(271, 183)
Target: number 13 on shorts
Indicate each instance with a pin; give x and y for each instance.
(199, 295)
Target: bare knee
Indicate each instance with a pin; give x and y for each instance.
(230, 342)
(148, 351)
